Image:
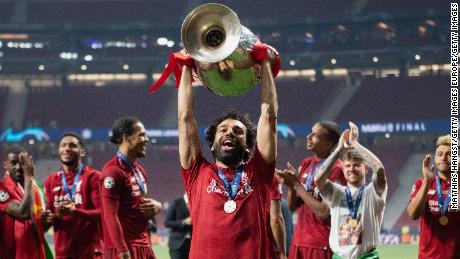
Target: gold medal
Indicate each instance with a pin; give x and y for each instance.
(443, 220)
(230, 206)
(353, 223)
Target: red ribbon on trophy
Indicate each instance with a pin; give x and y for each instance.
(260, 52)
(176, 61)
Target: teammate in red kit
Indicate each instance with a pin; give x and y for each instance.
(430, 201)
(72, 196)
(311, 234)
(229, 198)
(21, 236)
(125, 207)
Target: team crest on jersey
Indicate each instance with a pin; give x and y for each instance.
(109, 182)
(4, 196)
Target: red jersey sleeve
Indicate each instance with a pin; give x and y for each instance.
(48, 188)
(276, 192)
(94, 183)
(112, 181)
(265, 172)
(5, 198)
(415, 188)
(190, 174)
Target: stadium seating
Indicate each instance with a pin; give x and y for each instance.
(390, 99)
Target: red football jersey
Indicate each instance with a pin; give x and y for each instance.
(310, 231)
(17, 240)
(276, 192)
(79, 234)
(240, 234)
(119, 186)
(436, 240)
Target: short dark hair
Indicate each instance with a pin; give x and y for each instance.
(332, 129)
(75, 135)
(122, 126)
(16, 150)
(351, 155)
(234, 115)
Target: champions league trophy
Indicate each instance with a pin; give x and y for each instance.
(226, 55)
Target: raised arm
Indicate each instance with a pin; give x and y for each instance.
(325, 170)
(418, 203)
(266, 128)
(23, 209)
(379, 179)
(189, 142)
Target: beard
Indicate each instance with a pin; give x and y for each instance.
(17, 176)
(230, 158)
(71, 162)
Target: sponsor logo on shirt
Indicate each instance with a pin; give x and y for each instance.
(109, 182)
(57, 188)
(4, 196)
(215, 187)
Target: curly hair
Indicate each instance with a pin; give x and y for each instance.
(122, 126)
(234, 115)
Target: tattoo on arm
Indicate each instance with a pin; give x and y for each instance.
(328, 189)
(326, 168)
(378, 176)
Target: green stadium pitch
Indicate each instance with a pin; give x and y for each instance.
(401, 251)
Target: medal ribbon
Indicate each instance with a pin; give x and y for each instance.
(232, 189)
(311, 176)
(137, 174)
(65, 186)
(354, 209)
(443, 204)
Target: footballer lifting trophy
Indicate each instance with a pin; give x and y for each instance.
(225, 54)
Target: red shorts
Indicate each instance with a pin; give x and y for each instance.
(89, 256)
(300, 252)
(136, 252)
